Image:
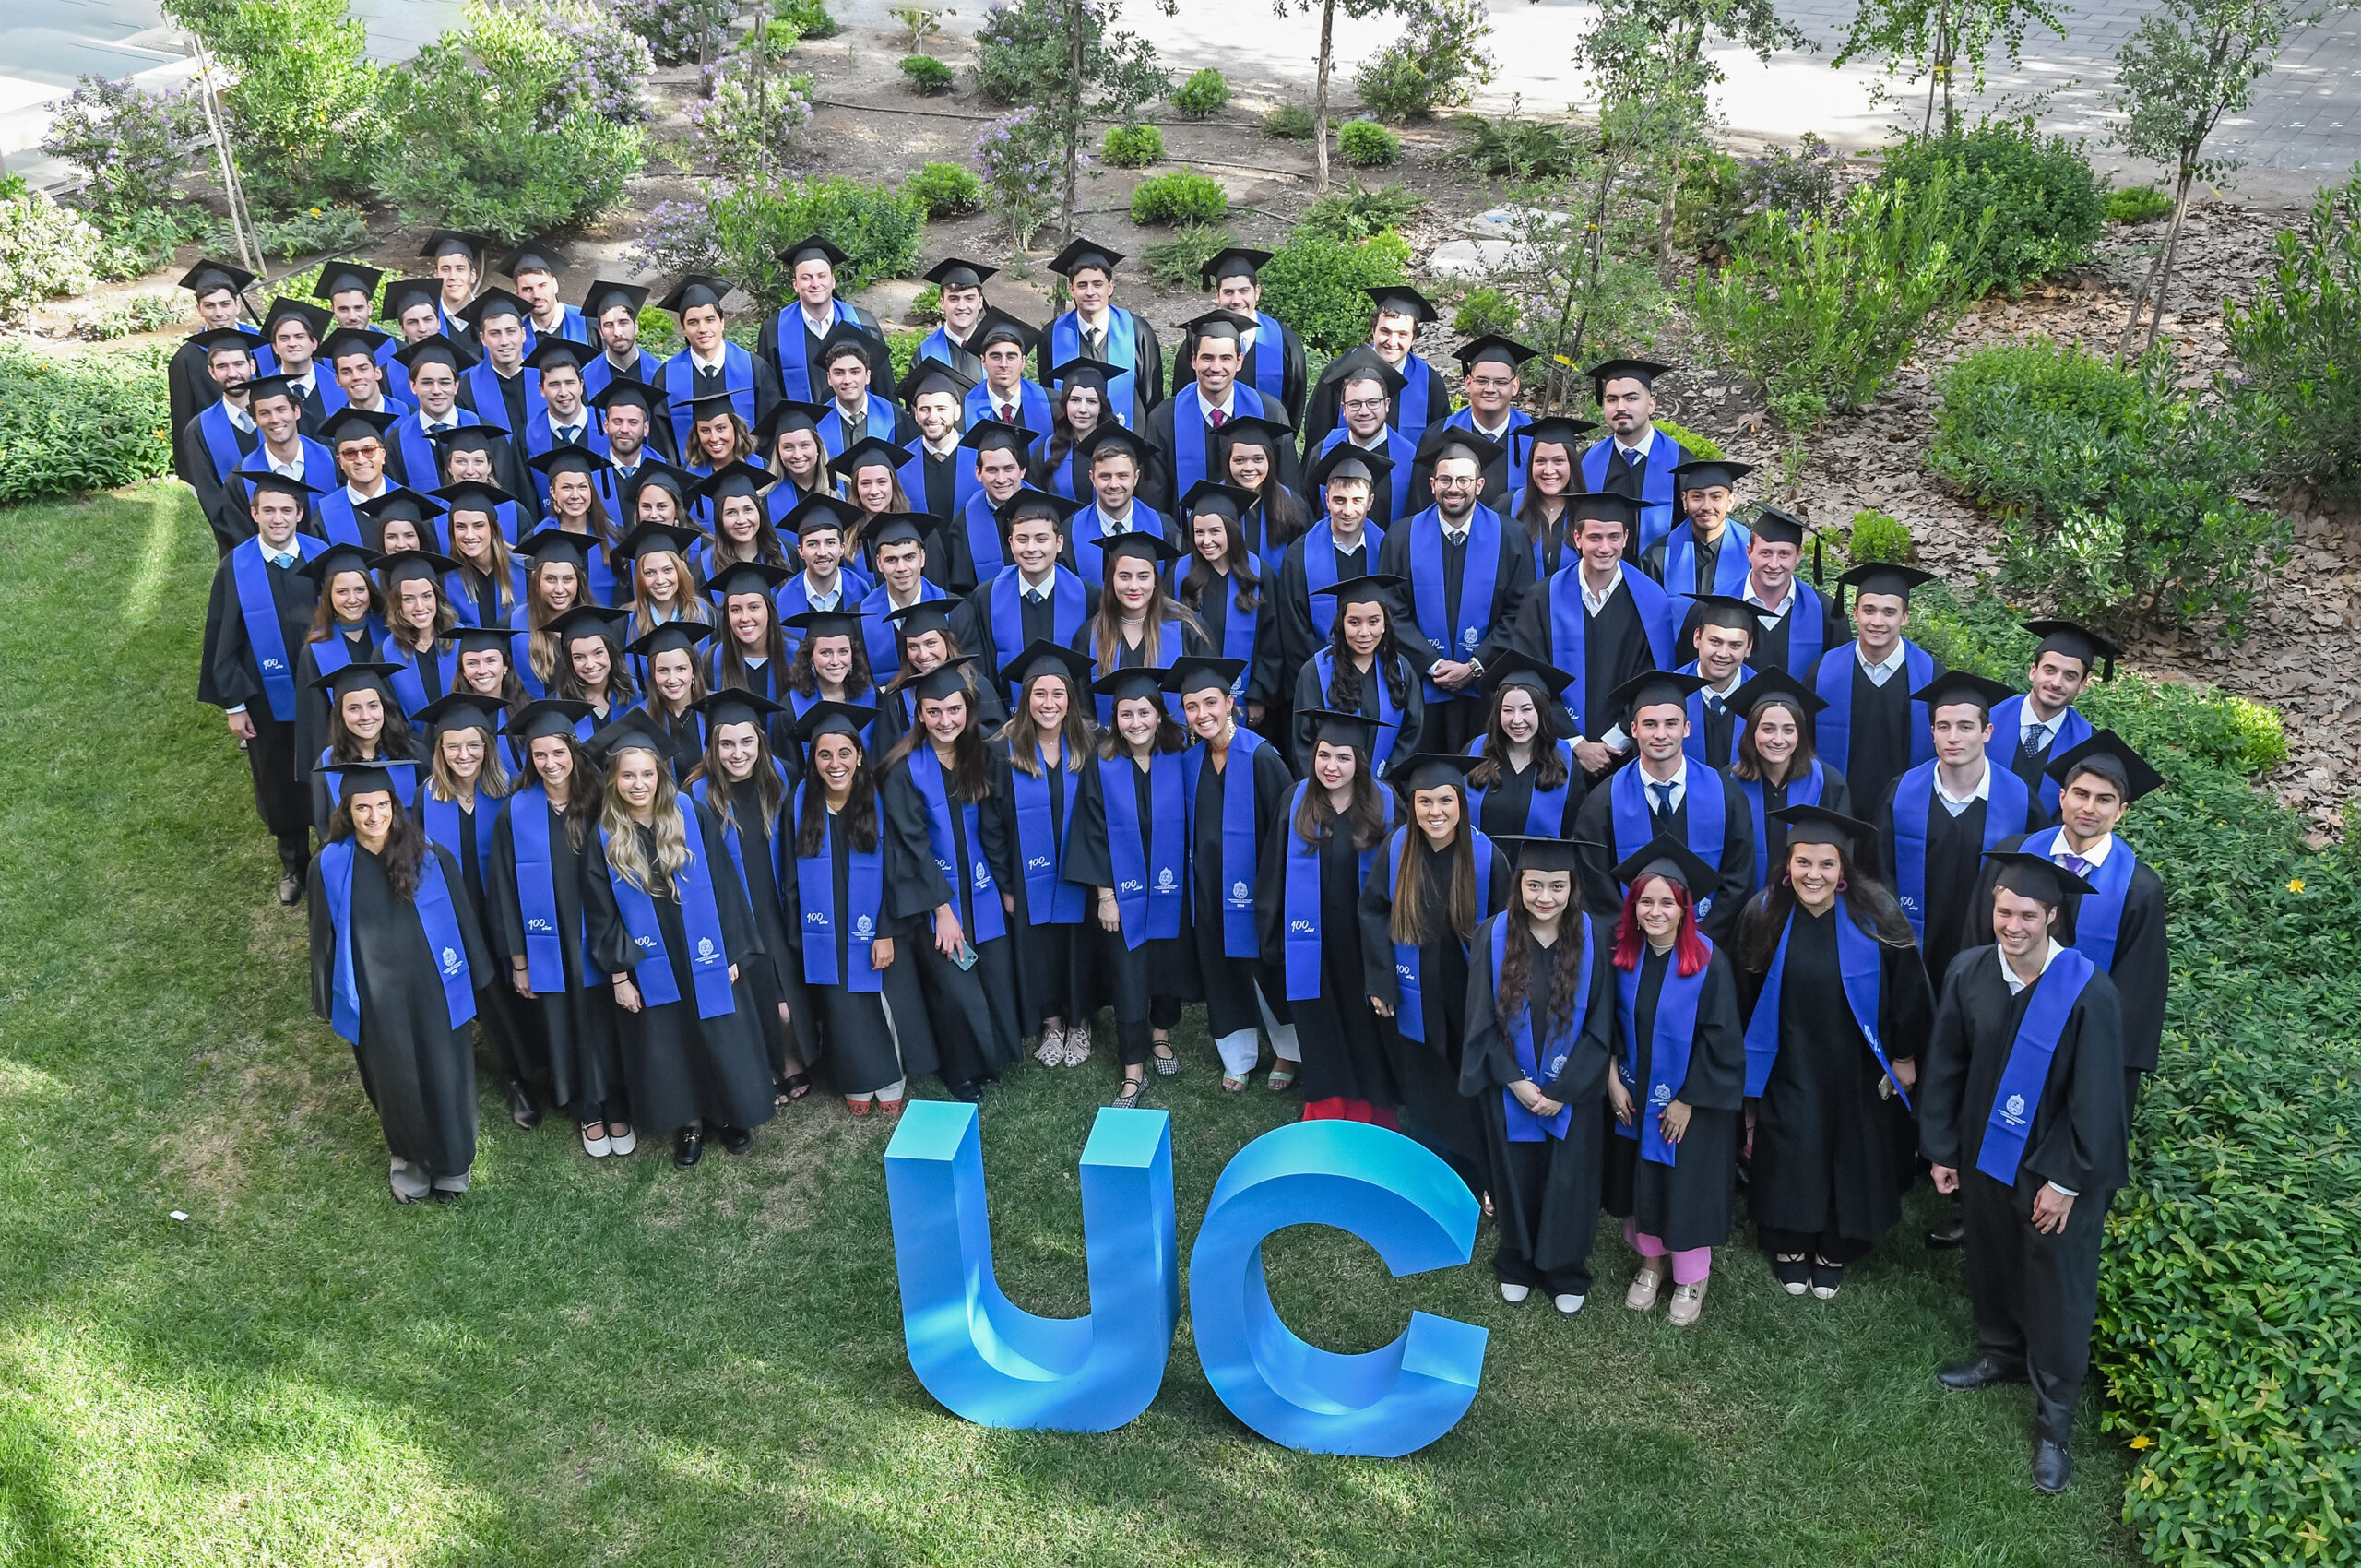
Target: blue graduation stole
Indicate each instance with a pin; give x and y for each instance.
(1089, 545)
(2098, 916)
(599, 373)
(1456, 634)
(937, 346)
(219, 433)
(529, 831)
(879, 421)
(1403, 449)
(884, 643)
(318, 463)
(1069, 606)
(1240, 938)
(911, 477)
(1267, 372)
(1668, 1047)
(1804, 792)
(1730, 569)
(571, 329)
(415, 449)
(1189, 429)
(1857, 966)
(1058, 481)
(984, 920)
(1032, 406)
(735, 841)
(1913, 798)
(1410, 1008)
(449, 827)
(1320, 569)
(394, 375)
(1049, 898)
(815, 879)
(1389, 717)
(1701, 799)
(436, 915)
(700, 923)
(778, 501)
(1300, 890)
(1570, 633)
(541, 436)
(468, 601)
(1516, 449)
(1695, 742)
(679, 377)
(1410, 409)
(1806, 630)
(1524, 1126)
(2008, 734)
(794, 363)
(983, 536)
(1545, 812)
(794, 598)
(404, 771)
(1238, 628)
(1168, 649)
(266, 357)
(1147, 896)
(520, 650)
(337, 518)
(410, 688)
(2018, 1097)
(1833, 683)
(329, 654)
(258, 609)
(1123, 361)
(1655, 484)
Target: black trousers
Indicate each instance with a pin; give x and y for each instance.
(283, 798)
(2035, 1296)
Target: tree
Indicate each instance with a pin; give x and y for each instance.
(2187, 67)
(1929, 38)
(1358, 10)
(1065, 59)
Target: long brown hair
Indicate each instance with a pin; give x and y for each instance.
(1021, 733)
(1413, 922)
(1550, 770)
(727, 662)
(584, 787)
(1746, 763)
(404, 856)
(1168, 737)
(969, 778)
(395, 742)
(622, 690)
(770, 789)
(1561, 1008)
(324, 621)
(860, 812)
(1764, 920)
(1365, 817)
(1242, 572)
(1107, 627)
(501, 576)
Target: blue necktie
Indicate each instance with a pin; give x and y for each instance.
(1663, 810)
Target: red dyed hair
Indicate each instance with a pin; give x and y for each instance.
(1688, 950)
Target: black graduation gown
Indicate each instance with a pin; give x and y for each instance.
(224, 508)
(1428, 1072)
(190, 388)
(1615, 644)
(1545, 1196)
(1508, 803)
(859, 1045)
(417, 1071)
(1595, 823)
(974, 1010)
(1291, 594)
(2143, 966)
(1228, 984)
(1686, 1204)
(1458, 718)
(1320, 414)
(503, 1017)
(1160, 969)
(323, 807)
(228, 677)
(1954, 865)
(776, 975)
(1052, 978)
(1832, 1156)
(1344, 1055)
(1883, 719)
(682, 1068)
(1215, 608)
(897, 711)
(1308, 694)
(2035, 1296)
(941, 483)
(1291, 375)
(1771, 642)
(312, 702)
(573, 1031)
(766, 355)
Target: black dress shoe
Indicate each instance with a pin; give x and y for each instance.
(445, 1196)
(737, 1140)
(521, 1108)
(1983, 1371)
(967, 1091)
(1944, 1237)
(688, 1147)
(2053, 1465)
(290, 889)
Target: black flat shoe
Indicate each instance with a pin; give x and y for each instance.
(737, 1140)
(688, 1148)
(967, 1091)
(521, 1108)
(1943, 1238)
(2053, 1465)
(1983, 1371)
(290, 889)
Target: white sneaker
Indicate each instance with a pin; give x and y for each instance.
(1513, 1294)
(627, 1143)
(1569, 1305)
(599, 1147)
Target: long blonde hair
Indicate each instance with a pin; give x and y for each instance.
(491, 780)
(668, 828)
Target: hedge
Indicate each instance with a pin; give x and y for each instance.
(91, 422)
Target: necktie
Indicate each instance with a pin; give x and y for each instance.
(569, 435)
(1216, 418)
(1008, 413)
(282, 562)
(1662, 811)
(1713, 704)
(2077, 864)
(2033, 734)
(1096, 341)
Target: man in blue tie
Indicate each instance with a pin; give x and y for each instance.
(2028, 731)
(1635, 458)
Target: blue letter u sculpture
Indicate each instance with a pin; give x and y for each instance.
(1391, 1194)
(993, 1362)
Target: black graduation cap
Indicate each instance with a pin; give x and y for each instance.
(986, 435)
(1882, 577)
(588, 621)
(1139, 683)
(343, 340)
(1515, 667)
(821, 510)
(1776, 685)
(1341, 729)
(1725, 609)
(997, 325)
(2108, 754)
(1041, 657)
(2037, 877)
(624, 389)
(257, 482)
(815, 247)
(1535, 852)
(606, 294)
(535, 256)
(1346, 461)
(1368, 589)
(1220, 323)
(931, 374)
(554, 543)
(1142, 545)
(1644, 371)
(834, 718)
(1254, 430)
(286, 308)
(715, 405)
(1221, 500)
(2094, 649)
(569, 459)
(391, 774)
(946, 679)
(1429, 770)
(404, 292)
(648, 537)
(1955, 686)
(843, 339)
(477, 437)
(350, 424)
(1364, 364)
(735, 704)
(671, 634)
(492, 302)
(552, 351)
(465, 639)
(636, 729)
(899, 527)
(549, 716)
(958, 272)
(1703, 473)
(1440, 438)
(406, 565)
(752, 577)
(1649, 689)
(209, 274)
(869, 451)
(656, 472)
(461, 710)
(455, 242)
(1559, 430)
(1668, 857)
(1233, 261)
(1080, 371)
(696, 289)
(1106, 434)
(323, 569)
(343, 277)
(787, 414)
(926, 616)
(214, 340)
(1494, 349)
(1030, 503)
(1774, 526)
(1196, 672)
(358, 675)
(1081, 252)
(1584, 504)
(1400, 299)
(435, 347)
(263, 388)
(1818, 824)
(838, 622)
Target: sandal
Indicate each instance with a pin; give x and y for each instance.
(1282, 1077)
(891, 1107)
(788, 1090)
(1133, 1090)
(1077, 1044)
(1230, 1085)
(858, 1106)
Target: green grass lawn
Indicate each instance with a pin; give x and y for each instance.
(624, 1362)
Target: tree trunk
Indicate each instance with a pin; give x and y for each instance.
(1319, 98)
(1935, 67)
(2172, 245)
(762, 42)
(1074, 118)
(2153, 286)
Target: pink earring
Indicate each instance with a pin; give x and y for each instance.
(1841, 885)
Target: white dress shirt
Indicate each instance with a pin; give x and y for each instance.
(1958, 803)
(1882, 671)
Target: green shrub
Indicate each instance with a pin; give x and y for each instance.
(304, 119)
(810, 19)
(926, 305)
(1486, 310)
(946, 190)
(1517, 148)
(141, 313)
(876, 226)
(1358, 213)
(1289, 122)
(901, 349)
(1182, 197)
(312, 231)
(660, 334)
(1318, 285)
(2116, 490)
(1131, 146)
(928, 73)
(2137, 204)
(2047, 207)
(87, 423)
(127, 142)
(1438, 63)
(1820, 312)
(1179, 262)
(1877, 536)
(1368, 145)
(1696, 445)
(2299, 344)
(677, 32)
(142, 239)
(45, 251)
(1203, 95)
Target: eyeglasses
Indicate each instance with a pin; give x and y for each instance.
(1365, 405)
(1492, 383)
(1450, 481)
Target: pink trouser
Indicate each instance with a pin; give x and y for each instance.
(1688, 1268)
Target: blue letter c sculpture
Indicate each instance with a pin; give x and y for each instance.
(1399, 1198)
(988, 1360)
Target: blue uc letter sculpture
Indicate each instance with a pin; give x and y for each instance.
(987, 1359)
(1399, 1198)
